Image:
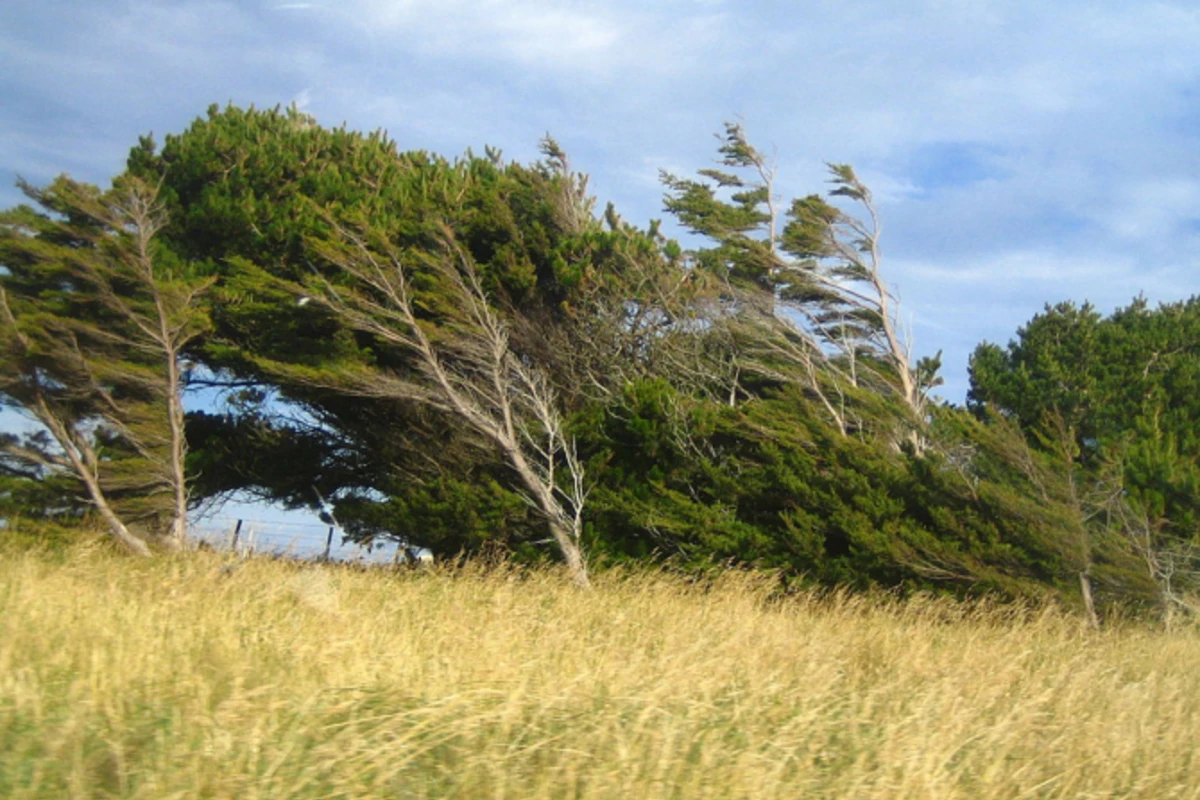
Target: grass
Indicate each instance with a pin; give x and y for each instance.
(179, 678)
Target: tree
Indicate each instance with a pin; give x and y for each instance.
(839, 266)
(771, 484)
(464, 367)
(424, 342)
(248, 191)
(807, 302)
(743, 227)
(1119, 395)
(95, 318)
(1049, 370)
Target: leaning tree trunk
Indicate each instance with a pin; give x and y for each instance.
(484, 385)
(82, 461)
(563, 528)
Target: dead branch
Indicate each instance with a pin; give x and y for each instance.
(463, 366)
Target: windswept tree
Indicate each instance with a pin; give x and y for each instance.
(1118, 395)
(837, 283)
(588, 306)
(94, 320)
(432, 306)
(807, 297)
(736, 208)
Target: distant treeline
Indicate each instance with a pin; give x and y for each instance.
(464, 355)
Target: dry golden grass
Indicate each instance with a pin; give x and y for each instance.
(179, 679)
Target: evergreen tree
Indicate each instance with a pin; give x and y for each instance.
(255, 195)
(806, 299)
(94, 318)
(1120, 393)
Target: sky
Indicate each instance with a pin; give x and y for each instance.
(1020, 152)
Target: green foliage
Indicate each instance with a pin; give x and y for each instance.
(1050, 368)
(749, 402)
(772, 485)
(35, 500)
(447, 515)
(1125, 388)
(804, 291)
(257, 195)
(740, 223)
(94, 316)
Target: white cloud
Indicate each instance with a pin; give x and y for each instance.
(1015, 268)
(526, 32)
(1153, 209)
(303, 99)
(562, 42)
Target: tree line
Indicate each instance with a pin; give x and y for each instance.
(466, 355)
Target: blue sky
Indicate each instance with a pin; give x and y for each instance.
(1021, 152)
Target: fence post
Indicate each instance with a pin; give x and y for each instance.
(237, 531)
(328, 543)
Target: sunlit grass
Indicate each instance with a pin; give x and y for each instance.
(180, 678)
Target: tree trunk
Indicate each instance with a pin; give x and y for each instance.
(572, 554)
(115, 526)
(82, 459)
(175, 413)
(119, 532)
(557, 520)
(1089, 605)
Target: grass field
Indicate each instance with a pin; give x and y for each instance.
(178, 678)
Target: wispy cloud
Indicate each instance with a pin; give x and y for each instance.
(525, 32)
(1016, 268)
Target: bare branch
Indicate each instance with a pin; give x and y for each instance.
(468, 371)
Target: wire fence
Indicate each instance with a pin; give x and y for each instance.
(314, 541)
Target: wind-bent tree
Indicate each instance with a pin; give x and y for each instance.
(744, 227)
(808, 300)
(589, 307)
(838, 265)
(1121, 395)
(462, 366)
(94, 320)
(468, 321)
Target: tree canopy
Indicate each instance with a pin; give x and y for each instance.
(1120, 396)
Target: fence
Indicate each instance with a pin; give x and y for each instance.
(301, 540)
